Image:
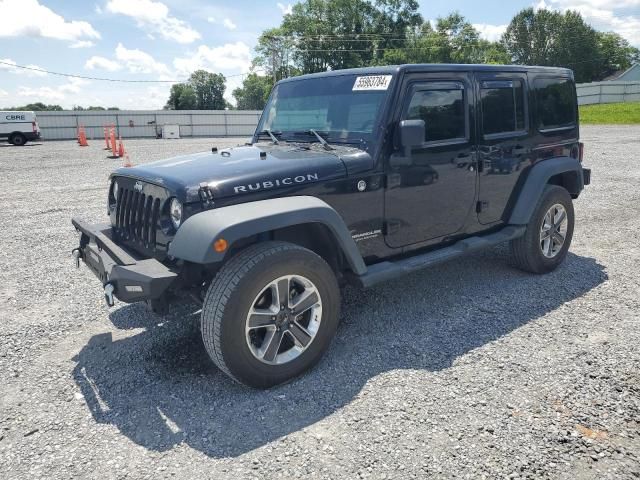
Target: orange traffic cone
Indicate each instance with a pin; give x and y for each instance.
(82, 140)
(127, 163)
(114, 147)
(106, 138)
(121, 148)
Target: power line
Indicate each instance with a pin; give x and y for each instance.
(103, 79)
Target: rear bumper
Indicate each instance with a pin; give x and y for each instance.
(586, 176)
(128, 278)
(32, 135)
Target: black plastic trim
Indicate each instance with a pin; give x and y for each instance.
(194, 239)
(133, 280)
(535, 183)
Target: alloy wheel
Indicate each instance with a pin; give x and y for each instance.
(283, 319)
(553, 230)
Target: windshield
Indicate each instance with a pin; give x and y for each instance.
(342, 107)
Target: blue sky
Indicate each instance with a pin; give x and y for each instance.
(167, 39)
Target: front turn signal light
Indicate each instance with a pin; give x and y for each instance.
(220, 245)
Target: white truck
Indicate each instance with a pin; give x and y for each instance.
(19, 127)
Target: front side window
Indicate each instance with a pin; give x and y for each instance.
(556, 99)
(503, 106)
(443, 113)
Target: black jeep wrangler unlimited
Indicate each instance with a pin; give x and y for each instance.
(353, 176)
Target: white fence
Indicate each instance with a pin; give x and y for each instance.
(148, 123)
(608, 92)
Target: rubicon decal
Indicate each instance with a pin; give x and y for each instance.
(278, 182)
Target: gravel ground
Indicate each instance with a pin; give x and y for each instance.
(468, 370)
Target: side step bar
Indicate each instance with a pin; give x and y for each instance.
(380, 272)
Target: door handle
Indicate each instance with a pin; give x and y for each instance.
(462, 159)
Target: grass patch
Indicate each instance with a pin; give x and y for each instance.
(610, 113)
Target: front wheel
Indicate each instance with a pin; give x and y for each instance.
(270, 313)
(548, 236)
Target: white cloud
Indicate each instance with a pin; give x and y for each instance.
(151, 98)
(230, 56)
(29, 18)
(134, 60)
(21, 71)
(3, 93)
(102, 63)
(82, 44)
(40, 93)
(137, 61)
(285, 9)
(603, 15)
(155, 16)
(74, 86)
(47, 94)
(228, 24)
(490, 32)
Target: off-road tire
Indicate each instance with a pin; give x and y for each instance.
(17, 139)
(229, 298)
(526, 251)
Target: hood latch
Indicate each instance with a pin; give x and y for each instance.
(206, 195)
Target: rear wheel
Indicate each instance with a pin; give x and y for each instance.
(548, 236)
(270, 313)
(18, 139)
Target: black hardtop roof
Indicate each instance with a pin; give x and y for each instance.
(433, 67)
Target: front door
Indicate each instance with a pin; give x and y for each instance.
(434, 196)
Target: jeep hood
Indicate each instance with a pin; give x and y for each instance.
(240, 170)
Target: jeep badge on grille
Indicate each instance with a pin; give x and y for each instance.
(138, 187)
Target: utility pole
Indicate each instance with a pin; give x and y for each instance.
(272, 47)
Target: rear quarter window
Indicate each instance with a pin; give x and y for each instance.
(556, 103)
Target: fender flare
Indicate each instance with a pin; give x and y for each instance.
(194, 239)
(537, 180)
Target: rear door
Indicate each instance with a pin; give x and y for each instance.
(434, 196)
(504, 141)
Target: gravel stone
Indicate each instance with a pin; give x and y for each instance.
(471, 369)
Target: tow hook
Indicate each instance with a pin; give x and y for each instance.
(76, 254)
(108, 294)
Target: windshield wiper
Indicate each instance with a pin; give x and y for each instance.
(271, 134)
(324, 143)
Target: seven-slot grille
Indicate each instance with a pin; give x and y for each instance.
(137, 217)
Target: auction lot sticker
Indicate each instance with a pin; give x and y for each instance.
(372, 82)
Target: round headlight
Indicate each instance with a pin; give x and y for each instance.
(175, 212)
(115, 190)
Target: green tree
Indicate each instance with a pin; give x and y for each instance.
(181, 97)
(203, 91)
(209, 90)
(545, 37)
(274, 54)
(254, 92)
(616, 53)
(37, 107)
(453, 40)
(322, 35)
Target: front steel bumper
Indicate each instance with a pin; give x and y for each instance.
(122, 275)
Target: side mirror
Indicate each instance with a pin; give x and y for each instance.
(412, 133)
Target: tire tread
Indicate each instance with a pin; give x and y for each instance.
(224, 283)
(523, 248)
